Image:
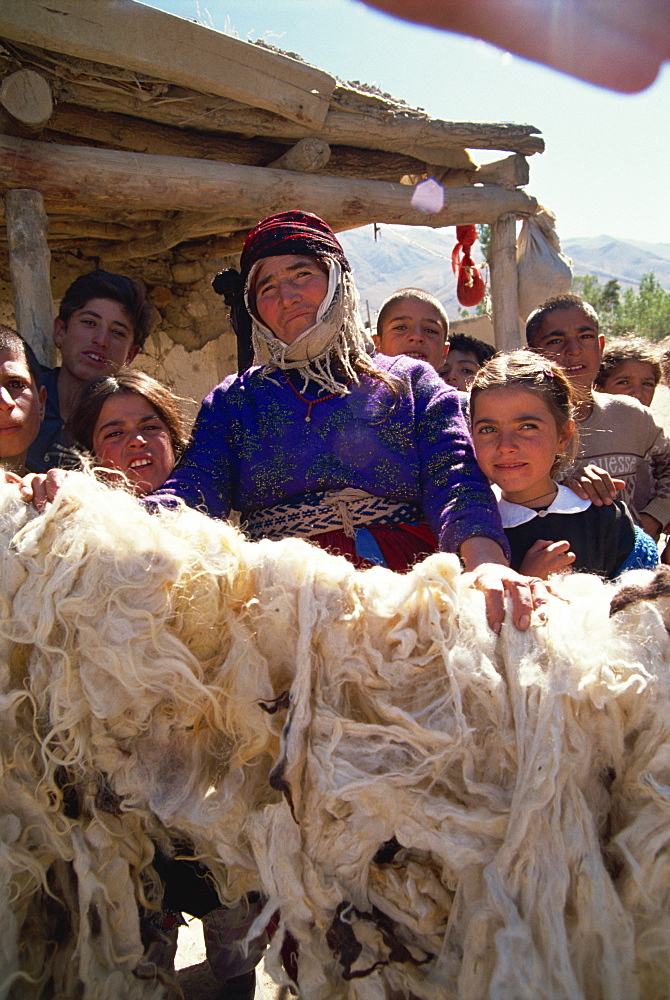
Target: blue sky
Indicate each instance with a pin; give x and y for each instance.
(605, 168)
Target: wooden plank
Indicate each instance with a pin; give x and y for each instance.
(136, 37)
(112, 178)
(29, 267)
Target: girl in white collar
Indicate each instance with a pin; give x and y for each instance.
(523, 428)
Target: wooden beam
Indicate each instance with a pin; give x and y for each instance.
(29, 267)
(124, 132)
(113, 179)
(412, 134)
(140, 38)
(308, 156)
(25, 97)
(510, 172)
(504, 284)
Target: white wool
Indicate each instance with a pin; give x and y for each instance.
(525, 778)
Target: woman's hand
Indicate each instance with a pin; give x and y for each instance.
(544, 558)
(596, 485)
(41, 488)
(490, 573)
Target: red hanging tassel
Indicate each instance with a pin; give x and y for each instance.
(470, 286)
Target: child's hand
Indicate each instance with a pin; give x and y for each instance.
(650, 525)
(41, 488)
(544, 558)
(596, 485)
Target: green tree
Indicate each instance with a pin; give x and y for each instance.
(647, 311)
(484, 237)
(644, 311)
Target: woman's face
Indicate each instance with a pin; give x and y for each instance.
(131, 438)
(288, 291)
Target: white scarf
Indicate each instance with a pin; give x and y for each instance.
(337, 335)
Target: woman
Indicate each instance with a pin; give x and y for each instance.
(366, 456)
(132, 425)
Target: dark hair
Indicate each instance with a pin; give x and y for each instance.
(568, 301)
(527, 370)
(94, 395)
(105, 285)
(627, 349)
(411, 293)
(13, 343)
(470, 345)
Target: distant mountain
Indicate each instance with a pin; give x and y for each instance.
(409, 255)
(401, 255)
(625, 260)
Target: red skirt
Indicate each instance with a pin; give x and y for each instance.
(399, 546)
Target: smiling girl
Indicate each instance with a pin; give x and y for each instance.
(522, 414)
(133, 426)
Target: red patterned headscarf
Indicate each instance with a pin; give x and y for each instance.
(291, 232)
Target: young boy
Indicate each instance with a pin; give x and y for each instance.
(103, 321)
(465, 357)
(617, 434)
(629, 367)
(22, 400)
(413, 322)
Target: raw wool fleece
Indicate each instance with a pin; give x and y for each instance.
(144, 668)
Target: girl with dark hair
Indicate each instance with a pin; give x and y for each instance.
(132, 425)
(522, 412)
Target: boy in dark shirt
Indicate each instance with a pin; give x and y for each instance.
(103, 321)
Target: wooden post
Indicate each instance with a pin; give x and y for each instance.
(504, 291)
(29, 261)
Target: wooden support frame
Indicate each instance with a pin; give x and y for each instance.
(112, 178)
(29, 266)
(504, 284)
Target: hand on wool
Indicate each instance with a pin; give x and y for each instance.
(41, 488)
(490, 573)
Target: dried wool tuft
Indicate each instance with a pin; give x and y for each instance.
(436, 812)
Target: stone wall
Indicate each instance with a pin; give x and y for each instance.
(192, 346)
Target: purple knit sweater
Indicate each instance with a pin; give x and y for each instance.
(253, 447)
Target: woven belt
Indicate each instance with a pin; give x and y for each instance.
(338, 510)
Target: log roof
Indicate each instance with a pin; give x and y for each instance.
(167, 136)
